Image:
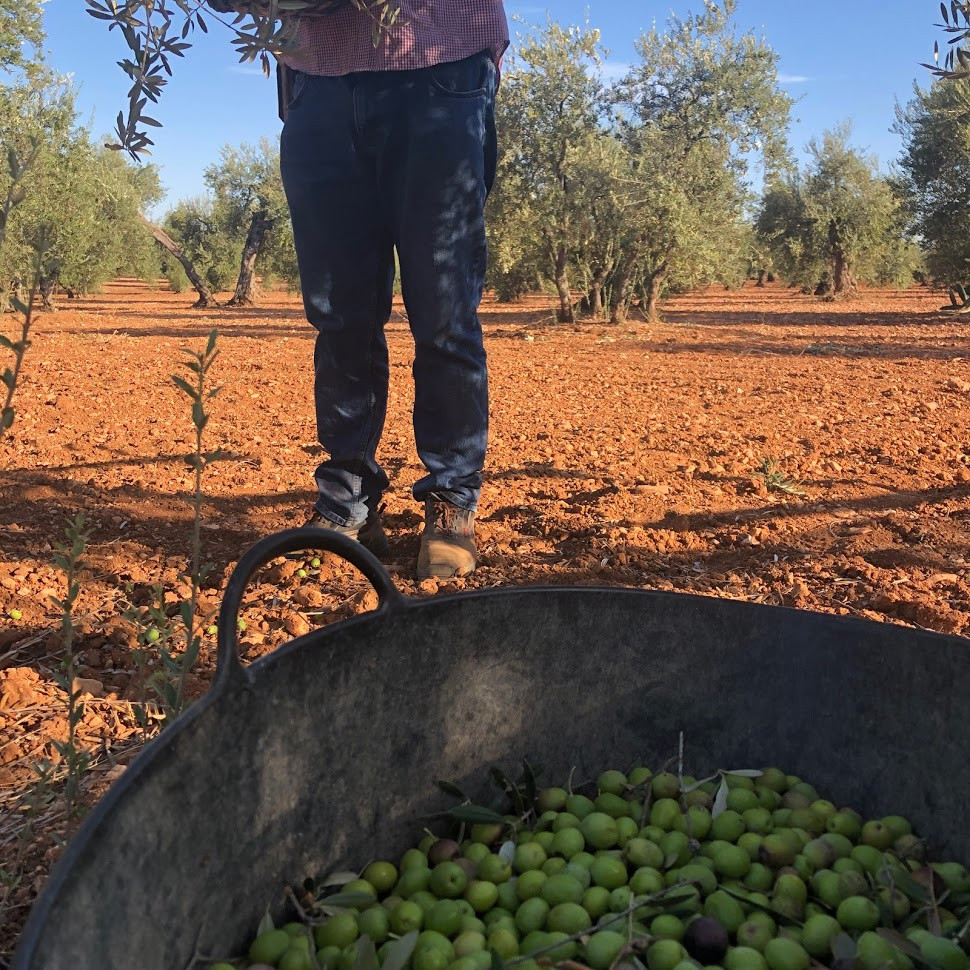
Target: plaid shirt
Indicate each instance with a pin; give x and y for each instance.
(427, 32)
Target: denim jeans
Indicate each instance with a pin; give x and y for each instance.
(372, 162)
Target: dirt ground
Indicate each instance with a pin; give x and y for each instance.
(628, 455)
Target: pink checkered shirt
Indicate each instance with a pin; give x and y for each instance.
(427, 32)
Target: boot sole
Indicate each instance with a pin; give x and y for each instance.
(429, 568)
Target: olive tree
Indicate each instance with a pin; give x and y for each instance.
(934, 181)
(836, 223)
(250, 204)
(700, 105)
(21, 34)
(82, 200)
(207, 255)
(551, 106)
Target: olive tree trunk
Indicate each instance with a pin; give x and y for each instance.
(565, 313)
(46, 284)
(652, 288)
(843, 280)
(245, 294)
(622, 286)
(594, 298)
(206, 299)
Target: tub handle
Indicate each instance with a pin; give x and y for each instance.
(278, 544)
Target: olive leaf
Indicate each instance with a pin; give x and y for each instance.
(843, 947)
(156, 32)
(265, 924)
(910, 887)
(778, 917)
(348, 900)
(365, 954)
(340, 878)
(720, 799)
(473, 814)
(530, 776)
(698, 784)
(449, 788)
(399, 952)
(511, 790)
(885, 911)
(678, 893)
(899, 941)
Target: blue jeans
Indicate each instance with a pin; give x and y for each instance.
(372, 162)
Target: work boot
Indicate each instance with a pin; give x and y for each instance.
(447, 542)
(369, 533)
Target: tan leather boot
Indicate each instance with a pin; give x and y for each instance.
(370, 533)
(448, 541)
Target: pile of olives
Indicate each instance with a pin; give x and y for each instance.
(747, 870)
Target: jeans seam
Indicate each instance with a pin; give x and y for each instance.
(355, 103)
(369, 425)
(444, 92)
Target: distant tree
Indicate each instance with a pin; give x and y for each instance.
(934, 181)
(551, 106)
(250, 203)
(837, 223)
(21, 33)
(36, 116)
(603, 168)
(684, 221)
(277, 258)
(783, 229)
(626, 193)
(83, 200)
(695, 109)
(177, 267)
(517, 262)
(206, 251)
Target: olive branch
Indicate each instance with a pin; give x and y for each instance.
(157, 31)
(956, 23)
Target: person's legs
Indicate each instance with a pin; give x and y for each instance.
(345, 254)
(443, 151)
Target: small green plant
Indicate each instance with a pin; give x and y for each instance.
(168, 646)
(10, 376)
(17, 170)
(157, 632)
(155, 669)
(69, 558)
(31, 804)
(775, 479)
(19, 348)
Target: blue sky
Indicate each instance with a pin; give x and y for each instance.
(843, 60)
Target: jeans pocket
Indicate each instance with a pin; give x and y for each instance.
(298, 81)
(467, 78)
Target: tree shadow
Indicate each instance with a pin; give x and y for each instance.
(128, 520)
